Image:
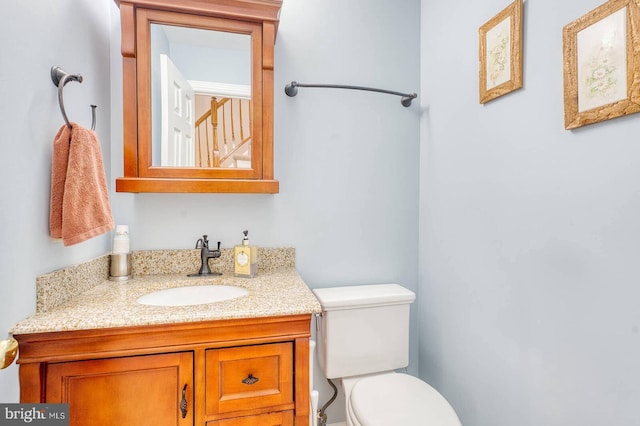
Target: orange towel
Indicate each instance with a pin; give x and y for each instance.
(79, 198)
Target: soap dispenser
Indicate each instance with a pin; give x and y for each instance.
(245, 258)
(120, 267)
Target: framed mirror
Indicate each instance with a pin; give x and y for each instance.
(198, 97)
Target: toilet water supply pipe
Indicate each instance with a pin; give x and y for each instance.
(319, 417)
(322, 416)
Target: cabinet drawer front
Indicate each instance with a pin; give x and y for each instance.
(249, 377)
(282, 418)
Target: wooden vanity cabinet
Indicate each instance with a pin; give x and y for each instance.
(220, 373)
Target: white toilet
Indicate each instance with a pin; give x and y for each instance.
(363, 336)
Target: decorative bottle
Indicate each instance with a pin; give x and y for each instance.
(245, 258)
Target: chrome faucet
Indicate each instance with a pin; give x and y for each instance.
(205, 255)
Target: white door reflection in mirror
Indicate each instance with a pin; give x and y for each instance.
(177, 98)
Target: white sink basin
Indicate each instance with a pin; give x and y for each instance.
(192, 295)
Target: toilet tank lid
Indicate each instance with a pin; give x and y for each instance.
(358, 296)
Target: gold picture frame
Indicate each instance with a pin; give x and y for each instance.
(602, 64)
(500, 53)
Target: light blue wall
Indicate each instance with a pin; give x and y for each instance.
(159, 46)
(230, 66)
(347, 161)
(529, 241)
(34, 36)
(528, 234)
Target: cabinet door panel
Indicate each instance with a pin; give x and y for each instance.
(133, 390)
(249, 377)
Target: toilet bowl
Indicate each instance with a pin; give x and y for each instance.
(363, 337)
(396, 399)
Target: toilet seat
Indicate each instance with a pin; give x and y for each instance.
(398, 399)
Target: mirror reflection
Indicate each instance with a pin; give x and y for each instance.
(200, 98)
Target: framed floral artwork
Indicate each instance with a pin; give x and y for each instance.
(602, 64)
(500, 53)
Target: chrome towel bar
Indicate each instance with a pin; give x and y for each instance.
(291, 89)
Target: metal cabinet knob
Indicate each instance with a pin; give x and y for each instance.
(250, 379)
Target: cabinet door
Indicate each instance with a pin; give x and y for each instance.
(248, 378)
(283, 418)
(137, 390)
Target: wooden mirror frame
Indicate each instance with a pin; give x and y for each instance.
(259, 18)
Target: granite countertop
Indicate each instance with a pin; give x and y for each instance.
(273, 292)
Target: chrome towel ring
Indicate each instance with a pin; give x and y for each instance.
(60, 78)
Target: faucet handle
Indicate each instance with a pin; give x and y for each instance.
(216, 253)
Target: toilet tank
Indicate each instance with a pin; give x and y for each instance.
(363, 329)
